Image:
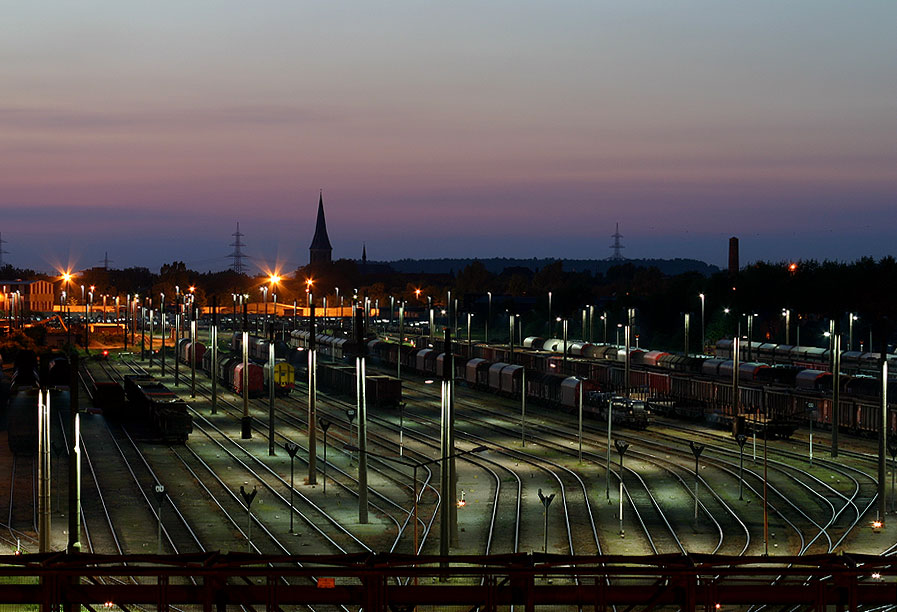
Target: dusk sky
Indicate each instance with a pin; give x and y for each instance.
(446, 129)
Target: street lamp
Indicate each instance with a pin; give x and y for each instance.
(265, 300)
(488, 314)
(564, 328)
(621, 448)
(610, 411)
(786, 312)
(580, 383)
(703, 327)
(162, 331)
(549, 314)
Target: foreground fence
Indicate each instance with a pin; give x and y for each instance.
(222, 582)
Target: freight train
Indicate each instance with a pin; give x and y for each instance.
(229, 367)
(156, 403)
(104, 390)
(700, 387)
(337, 375)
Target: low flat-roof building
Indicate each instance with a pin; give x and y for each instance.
(37, 295)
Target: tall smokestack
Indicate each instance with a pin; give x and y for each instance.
(733, 256)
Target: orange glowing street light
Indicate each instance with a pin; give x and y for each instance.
(417, 293)
(792, 267)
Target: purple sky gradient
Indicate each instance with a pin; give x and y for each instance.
(520, 129)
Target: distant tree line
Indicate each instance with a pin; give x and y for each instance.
(814, 292)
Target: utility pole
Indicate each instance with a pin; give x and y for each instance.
(312, 395)
(360, 379)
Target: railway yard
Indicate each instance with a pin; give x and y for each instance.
(812, 507)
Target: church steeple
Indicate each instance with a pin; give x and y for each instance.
(320, 249)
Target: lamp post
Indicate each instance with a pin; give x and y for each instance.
(786, 312)
(564, 328)
(469, 317)
(152, 325)
(580, 383)
(741, 439)
(312, 390)
(621, 448)
(750, 336)
(850, 319)
(213, 366)
(246, 421)
(193, 352)
(523, 407)
(703, 326)
(162, 331)
(546, 502)
(401, 429)
(142, 333)
(549, 314)
(687, 321)
(265, 321)
(401, 341)
(610, 410)
(488, 314)
(177, 333)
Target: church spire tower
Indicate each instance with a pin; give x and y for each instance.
(320, 250)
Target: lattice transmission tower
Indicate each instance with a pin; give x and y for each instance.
(2, 251)
(238, 266)
(617, 246)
